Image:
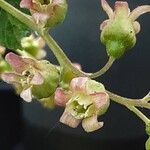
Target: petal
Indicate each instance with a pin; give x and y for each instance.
(60, 97)
(107, 8)
(103, 24)
(137, 12)
(100, 99)
(26, 95)
(93, 86)
(69, 120)
(77, 65)
(78, 84)
(11, 78)
(26, 4)
(137, 27)
(57, 2)
(37, 79)
(16, 62)
(40, 17)
(41, 42)
(91, 124)
(122, 9)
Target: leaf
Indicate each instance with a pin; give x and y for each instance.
(11, 29)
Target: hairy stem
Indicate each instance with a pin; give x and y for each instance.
(128, 101)
(139, 114)
(104, 69)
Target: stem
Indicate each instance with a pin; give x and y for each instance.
(128, 101)
(147, 98)
(24, 18)
(139, 114)
(104, 69)
(59, 54)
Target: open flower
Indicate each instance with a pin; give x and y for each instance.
(31, 78)
(46, 12)
(119, 31)
(84, 102)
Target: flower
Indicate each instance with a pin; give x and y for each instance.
(47, 13)
(32, 78)
(119, 31)
(34, 46)
(84, 102)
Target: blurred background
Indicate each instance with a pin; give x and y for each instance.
(26, 126)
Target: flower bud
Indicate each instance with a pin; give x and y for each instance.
(46, 13)
(119, 31)
(34, 46)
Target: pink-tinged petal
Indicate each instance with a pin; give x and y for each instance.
(79, 84)
(137, 12)
(57, 2)
(107, 8)
(122, 7)
(37, 79)
(77, 65)
(137, 27)
(11, 78)
(26, 4)
(26, 95)
(40, 18)
(16, 62)
(104, 24)
(41, 42)
(60, 97)
(69, 120)
(100, 99)
(91, 124)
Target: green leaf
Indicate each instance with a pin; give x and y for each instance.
(11, 29)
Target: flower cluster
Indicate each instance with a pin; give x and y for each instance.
(84, 99)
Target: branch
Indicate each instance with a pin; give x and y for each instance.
(58, 52)
(104, 69)
(128, 101)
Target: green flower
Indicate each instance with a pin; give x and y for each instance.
(33, 46)
(119, 31)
